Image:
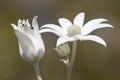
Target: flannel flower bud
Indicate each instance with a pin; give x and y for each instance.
(31, 46)
(63, 50)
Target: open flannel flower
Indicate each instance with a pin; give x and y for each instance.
(68, 32)
(31, 46)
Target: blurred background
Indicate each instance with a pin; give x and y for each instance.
(93, 61)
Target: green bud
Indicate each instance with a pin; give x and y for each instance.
(63, 50)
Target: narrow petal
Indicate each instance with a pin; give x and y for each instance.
(93, 25)
(54, 27)
(65, 23)
(95, 38)
(88, 30)
(35, 24)
(28, 24)
(79, 19)
(64, 39)
(20, 24)
(23, 22)
(14, 27)
(21, 50)
(50, 30)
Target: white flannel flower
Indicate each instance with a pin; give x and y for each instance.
(68, 32)
(31, 46)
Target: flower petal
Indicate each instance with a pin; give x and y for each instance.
(65, 23)
(93, 25)
(20, 23)
(95, 38)
(54, 27)
(14, 27)
(50, 30)
(35, 24)
(21, 50)
(24, 43)
(27, 30)
(64, 39)
(28, 24)
(30, 46)
(79, 19)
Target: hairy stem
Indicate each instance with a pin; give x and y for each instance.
(72, 59)
(37, 71)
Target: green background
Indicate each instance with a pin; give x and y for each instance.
(93, 61)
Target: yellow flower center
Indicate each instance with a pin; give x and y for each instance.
(73, 30)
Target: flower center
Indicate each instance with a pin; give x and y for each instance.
(73, 30)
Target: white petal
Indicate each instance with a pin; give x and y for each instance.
(28, 24)
(88, 30)
(14, 27)
(79, 19)
(30, 46)
(28, 31)
(21, 50)
(24, 43)
(23, 22)
(35, 24)
(20, 24)
(93, 25)
(95, 38)
(64, 39)
(54, 27)
(50, 30)
(65, 23)
(19, 20)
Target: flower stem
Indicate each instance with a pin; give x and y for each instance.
(72, 59)
(37, 71)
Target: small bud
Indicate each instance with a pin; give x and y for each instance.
(63, 50)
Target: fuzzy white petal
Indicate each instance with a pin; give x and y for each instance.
(65, 23)
(30, 46)
(54, 27)
(64, 39)
(21, 50)
(25, 45)
(35, 24)
(14, 27)
(20, 23)
(95, 39)
(23, 21)
(89, 29)
(79, 19)
(50, 30)
(92, 25)
(28, 24)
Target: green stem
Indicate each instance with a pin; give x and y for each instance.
(37, 71)
(72, 59)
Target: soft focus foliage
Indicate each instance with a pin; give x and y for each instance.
(93, 62)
